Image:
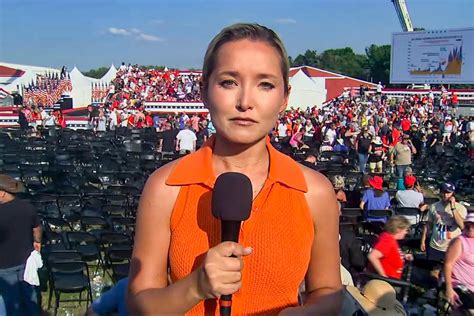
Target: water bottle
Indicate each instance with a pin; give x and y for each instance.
(97, 284)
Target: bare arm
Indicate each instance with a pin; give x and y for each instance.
(374, 258)
(37, 234)
(452, 255)
(362, 204)
(323, 279)
(148, 290)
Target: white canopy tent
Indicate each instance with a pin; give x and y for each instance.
(306, 92)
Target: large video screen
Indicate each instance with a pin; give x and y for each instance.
(443, 56)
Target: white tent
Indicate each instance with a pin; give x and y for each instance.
(306, 92)
(110, 75)
(81, 88)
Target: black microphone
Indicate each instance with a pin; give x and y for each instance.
(231, 203)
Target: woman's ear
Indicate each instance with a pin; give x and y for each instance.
(285, 101)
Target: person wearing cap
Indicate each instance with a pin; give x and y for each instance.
(410, 198)
(20, 233)
(375, 198)
(377, 298)
(459, 266)
(402, 153)
(445, 222)
(376, 155)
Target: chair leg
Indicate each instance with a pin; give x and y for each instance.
(80, 298)
(50, 295)
(56, 306)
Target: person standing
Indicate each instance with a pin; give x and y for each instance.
(186, 141)
(445, 222)
(402, 154)
(20, 233)
(362, 148)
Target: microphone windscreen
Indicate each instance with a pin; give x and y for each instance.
(232, 197)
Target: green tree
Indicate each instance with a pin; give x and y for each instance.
(378, 62)
(96, 73)
(309, 58)
(344, 61)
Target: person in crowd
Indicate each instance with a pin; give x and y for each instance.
(167, 142)
(203, 134)
(245, 87)
(20, 234)
(59, 119)
(296, 141)
(376, 155)
(340, 147)
(409, 197)
(326, 145)
(445, 222)
(362, 147)
(112, 301)
(459, 266)
(186, 141)
(386, 258)
(338, 183)
(402, 153)
(375, 198)
(310, 159)
(308, 132)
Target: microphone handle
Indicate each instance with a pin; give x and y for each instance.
(229, 232)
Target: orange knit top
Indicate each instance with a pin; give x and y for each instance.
(280, 231)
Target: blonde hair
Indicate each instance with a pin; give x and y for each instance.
(338, 182)
(249, 31)
(396, 223)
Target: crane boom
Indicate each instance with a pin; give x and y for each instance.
(403, 15)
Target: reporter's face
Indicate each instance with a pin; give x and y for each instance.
(245, 91)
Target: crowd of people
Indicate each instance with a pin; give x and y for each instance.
(137, 83)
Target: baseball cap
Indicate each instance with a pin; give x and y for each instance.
(10, 185)
(469, 218)
(410, 181)
(448, 187)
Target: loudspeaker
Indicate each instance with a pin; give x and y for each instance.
(66, 103)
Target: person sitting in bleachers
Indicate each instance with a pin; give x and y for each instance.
(410, 198)
(375, 198)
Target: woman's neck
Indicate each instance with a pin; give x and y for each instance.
(247, 159)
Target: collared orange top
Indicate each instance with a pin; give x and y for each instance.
(280, 230)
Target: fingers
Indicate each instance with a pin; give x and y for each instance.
(229, 248)
(222, 269)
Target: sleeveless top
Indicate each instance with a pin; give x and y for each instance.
(280, 230)
(463, 268)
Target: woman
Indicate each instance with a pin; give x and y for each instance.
(459, 267)
(245, 86)
(386, 258)
(296, 140)
(375, 198)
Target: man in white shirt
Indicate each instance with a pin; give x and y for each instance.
(186, 141)
(411, 198)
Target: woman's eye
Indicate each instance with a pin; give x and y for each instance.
(267, 85)
(227, 83)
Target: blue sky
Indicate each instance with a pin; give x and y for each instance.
(94, 33)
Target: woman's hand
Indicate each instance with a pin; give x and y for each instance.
(220, 273)
(453, 297)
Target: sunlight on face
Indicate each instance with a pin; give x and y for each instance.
(245, 91)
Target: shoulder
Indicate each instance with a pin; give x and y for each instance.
(156, 187)
(320, 195)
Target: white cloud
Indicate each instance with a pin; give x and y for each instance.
(118, 31)
(286, 21)
(157, 21)
(149, 38)
(135, 33)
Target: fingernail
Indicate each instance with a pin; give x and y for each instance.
(249, 249)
